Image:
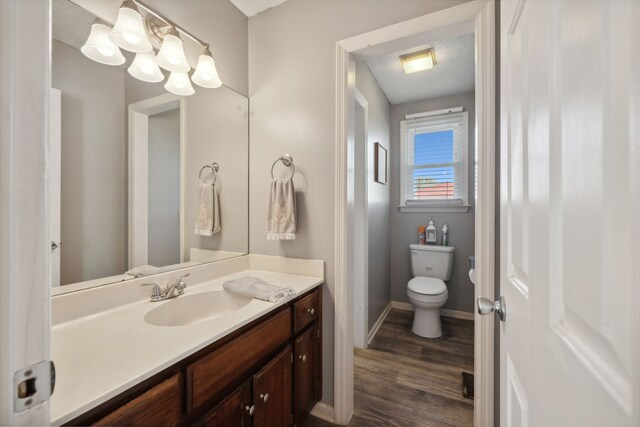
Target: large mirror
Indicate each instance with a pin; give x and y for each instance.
(142, 181)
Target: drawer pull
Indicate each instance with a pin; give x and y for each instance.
(250, 409)
(264, 397)
(303, 357)
(311, 311)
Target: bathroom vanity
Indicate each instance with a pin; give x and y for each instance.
(258, 363)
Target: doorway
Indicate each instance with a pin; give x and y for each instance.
(480, 16)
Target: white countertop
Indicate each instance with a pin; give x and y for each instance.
(99, 356)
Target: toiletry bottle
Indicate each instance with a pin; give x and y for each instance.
(422, 235)
(445, 235)
(432, 234)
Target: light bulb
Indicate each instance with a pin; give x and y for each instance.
(129, 33)
(171, 55)
(144, 68)
(206, 74)
(100, 48)
(179, 84)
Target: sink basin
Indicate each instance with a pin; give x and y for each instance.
(188, 309)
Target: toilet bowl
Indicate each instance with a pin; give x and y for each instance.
(431, 266)
(427, 295)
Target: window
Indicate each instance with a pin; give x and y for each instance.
(434, 151)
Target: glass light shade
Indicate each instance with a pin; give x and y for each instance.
(179, 84)
(100, 48)
(171, 55)
(128, 33)
(144, 68)
(206, 74)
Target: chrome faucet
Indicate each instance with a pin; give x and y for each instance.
(172, 290)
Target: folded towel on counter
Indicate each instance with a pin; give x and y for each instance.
(281, 217)
(253, 287)
(208, 215)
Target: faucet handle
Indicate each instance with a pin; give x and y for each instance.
(181, 282)
(156, 292)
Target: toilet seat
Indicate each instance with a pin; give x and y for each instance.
(427, 286)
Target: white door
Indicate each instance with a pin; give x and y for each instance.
(25, 320)
(570, 213)
(55, 184)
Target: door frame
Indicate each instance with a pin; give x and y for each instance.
(25, 288)
(361, 233)
(138, 215)
(482, 12)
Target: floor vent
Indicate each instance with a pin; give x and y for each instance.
(467, 385)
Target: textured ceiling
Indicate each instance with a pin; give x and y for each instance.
(253, 7)
(453, 73)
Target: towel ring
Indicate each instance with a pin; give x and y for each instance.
(214, 168)
(286, 160)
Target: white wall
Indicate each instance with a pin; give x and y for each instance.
(292, 90)
(377, 194)
(404, 225)
(164, 188)
(93, 157)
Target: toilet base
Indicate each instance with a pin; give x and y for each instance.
(427, 323)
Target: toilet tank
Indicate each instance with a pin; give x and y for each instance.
(432, 261)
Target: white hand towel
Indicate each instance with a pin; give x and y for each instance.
(208, 213)
(281, 218)
(253, 287)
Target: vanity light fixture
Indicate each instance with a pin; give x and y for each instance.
(179, 84)
(171, 56)
(128, 32)
(100, 48)
(418, 61)
(144, 68)
(206, 74)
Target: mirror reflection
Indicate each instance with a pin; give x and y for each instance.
(133, 185)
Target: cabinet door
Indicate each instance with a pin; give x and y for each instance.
(305, 379)
(272, 392)
(234, 411)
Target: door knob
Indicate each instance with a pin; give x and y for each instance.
(486, 306)
(264, 397)
(303, 357)
(250, 409)
(311, 311)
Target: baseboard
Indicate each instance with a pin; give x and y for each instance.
(376, 326)
(323, 411)
(456, 314)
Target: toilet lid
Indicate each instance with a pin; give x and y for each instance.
(427, 286)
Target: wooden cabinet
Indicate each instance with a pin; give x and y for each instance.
(161, 405)
(272, 392)
(306, 372)
(234, 411)
(266, 374)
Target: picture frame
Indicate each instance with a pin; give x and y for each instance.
(380, 163)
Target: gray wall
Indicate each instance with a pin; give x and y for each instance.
(164, 188)
(292, 71)
(93, 157)
(404, 225)
(377, 194)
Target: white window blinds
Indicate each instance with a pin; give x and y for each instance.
(434, 160)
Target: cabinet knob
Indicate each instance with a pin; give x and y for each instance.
(311, 311)
(264, 397)
(250, 409)
(303, 357)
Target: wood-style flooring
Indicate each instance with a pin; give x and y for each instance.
(406, 380)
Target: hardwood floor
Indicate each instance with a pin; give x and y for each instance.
(406, 380)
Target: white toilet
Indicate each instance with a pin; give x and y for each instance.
(431, 266)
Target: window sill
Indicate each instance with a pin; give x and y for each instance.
(434, 208)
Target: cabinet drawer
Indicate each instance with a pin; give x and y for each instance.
(306, 311)
(158, 406)
(211, 375)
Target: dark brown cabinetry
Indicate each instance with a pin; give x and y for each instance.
(265, 374)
